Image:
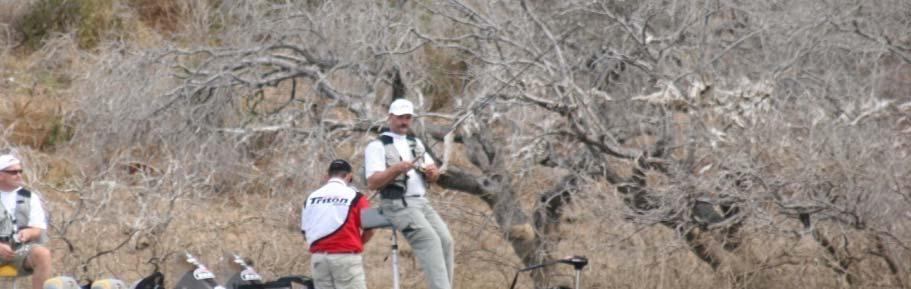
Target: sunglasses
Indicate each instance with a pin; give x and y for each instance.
(12, 172)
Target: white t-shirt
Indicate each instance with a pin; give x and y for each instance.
(36, 217)
(375, 161)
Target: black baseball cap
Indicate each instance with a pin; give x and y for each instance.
(339, 165)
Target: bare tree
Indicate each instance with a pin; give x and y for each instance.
(718, 120)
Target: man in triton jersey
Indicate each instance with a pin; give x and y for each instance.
(331, 223)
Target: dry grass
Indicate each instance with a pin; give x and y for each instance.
(34, 122)
(10, 12)
(258, 217)
(35, 97)
(621, 255)
(262, 225)
(165, 16)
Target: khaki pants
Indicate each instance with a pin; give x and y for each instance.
(428, 236)
(18, 260)
(339, 271)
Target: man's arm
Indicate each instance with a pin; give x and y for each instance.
(29, 234)
(378, 174)
(37, 221)
(383, 178)
(366, 235)
(300, 217)
(363, 204)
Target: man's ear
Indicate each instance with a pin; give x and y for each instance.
(349, 177)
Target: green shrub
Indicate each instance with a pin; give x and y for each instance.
(89, 19)
(58, 133)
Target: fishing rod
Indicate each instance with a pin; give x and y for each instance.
(578, 263)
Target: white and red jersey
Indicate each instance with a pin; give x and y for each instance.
(331, 218)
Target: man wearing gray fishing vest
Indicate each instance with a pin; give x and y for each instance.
(396, 164)
(23, 225)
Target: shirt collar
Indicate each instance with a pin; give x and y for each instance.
(13, 191)
(338, 180)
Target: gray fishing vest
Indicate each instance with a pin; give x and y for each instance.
(396, 189)
(10, 225)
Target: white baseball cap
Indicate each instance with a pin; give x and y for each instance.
(61, 282)
(108, 284)
(401, 106)
(8, 160)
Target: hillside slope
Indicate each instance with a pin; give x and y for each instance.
(675, 144)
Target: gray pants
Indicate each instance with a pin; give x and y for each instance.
(338, 271)
(21, 254)
(428, 236)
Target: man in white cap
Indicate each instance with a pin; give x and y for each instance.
(61, 282)
(396, 164)
(23, 225)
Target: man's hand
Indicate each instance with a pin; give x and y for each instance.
(432, 173)
(29, 234)
(6, 252)
(403, 167)
(380, 179)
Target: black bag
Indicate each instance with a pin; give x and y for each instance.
(392, 192)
